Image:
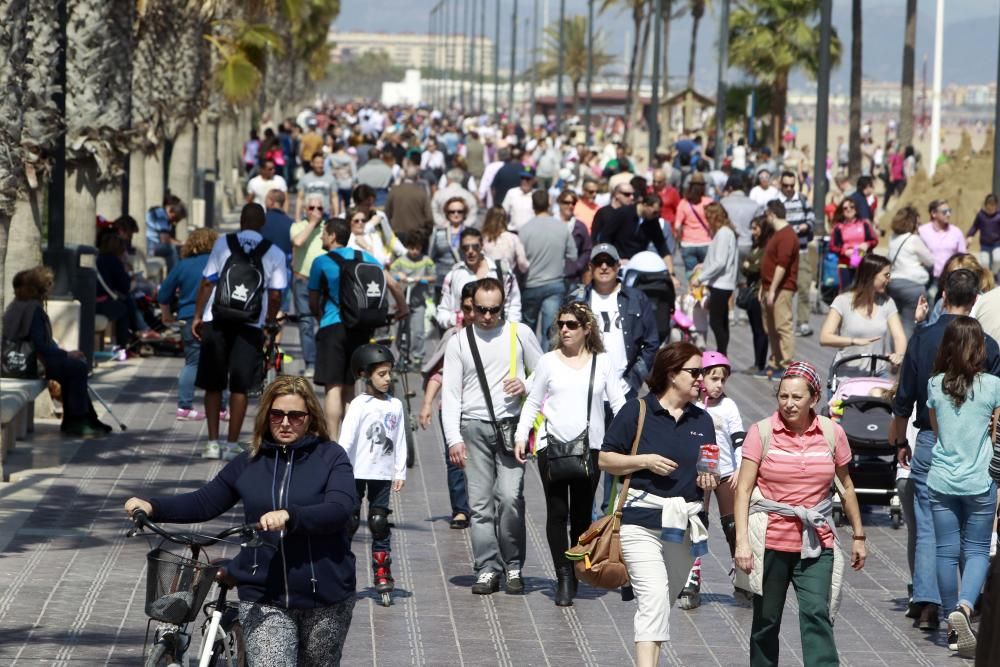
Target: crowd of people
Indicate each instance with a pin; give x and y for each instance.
(537, 272)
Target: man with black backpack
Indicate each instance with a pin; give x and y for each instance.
(347, 294)
(240, 293)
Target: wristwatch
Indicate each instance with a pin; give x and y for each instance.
(901, 445)
(860, 538)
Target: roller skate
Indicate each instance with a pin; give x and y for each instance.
(690, 597)
(383, 576)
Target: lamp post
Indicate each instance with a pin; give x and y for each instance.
(470, 39)
(482, 54)
(654, 100)
(936, 92)
(562, 64)
(496, 66)
(822, 105)
(534, 65)
(513, 61)
(590, 67)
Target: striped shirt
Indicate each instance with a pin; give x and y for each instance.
(798, 212)
(798, 470)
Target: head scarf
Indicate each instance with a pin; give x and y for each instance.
(806, 371)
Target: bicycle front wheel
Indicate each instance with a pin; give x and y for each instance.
(160, 655)
(229, 650)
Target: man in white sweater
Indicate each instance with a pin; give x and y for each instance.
(495, 479)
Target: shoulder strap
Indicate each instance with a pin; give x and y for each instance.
(480, 373)
(635, 446)
(695, 211)
(336, 257)
(500, 275)
(258, 253)
(764, 430)
(513, 350)
(892, 262)
(830, 435)
(111, 293)
(358, 257)
(590, 391)
(234, 244)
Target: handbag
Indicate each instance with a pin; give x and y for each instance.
(504, 428)
(745, 296)
(18, 359)
(569, 460)
(598, 552)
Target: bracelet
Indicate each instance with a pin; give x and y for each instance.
(860, 538)
(902, 445)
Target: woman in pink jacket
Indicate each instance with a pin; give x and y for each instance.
(851, 239)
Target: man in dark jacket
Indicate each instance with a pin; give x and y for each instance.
(960, 291)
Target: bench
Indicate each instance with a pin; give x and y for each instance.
(17, 413)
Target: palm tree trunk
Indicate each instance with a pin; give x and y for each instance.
(780, 104)
(637, 17)
(24, 240)
(137, 204)
(636, 105)
(180, 173)
(854, 131)
(153, 168)
(82, 185)
(689, 98)
(664, 111)
(909, 63)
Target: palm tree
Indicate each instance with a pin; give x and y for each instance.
(909, 63)
(770, 38)
(854, 122)
(638, 10)
(574, 52)
(697, 8)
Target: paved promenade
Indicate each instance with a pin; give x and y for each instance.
(72, 586)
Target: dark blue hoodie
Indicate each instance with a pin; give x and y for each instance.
(312, 564)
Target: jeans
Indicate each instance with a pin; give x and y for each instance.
(185, 382)
(496, 494)
(379, 491)
(542, 303)
(718, 316)
(458, 494)
(169, 252)
(845, 278)
(307, 323)
(925, 584)
(417, 324)
(811, 578)
(116, 311)
(693, 256)
(755, 316)
(989, 256)
(963, 526)
(904, 489)
(906, 294)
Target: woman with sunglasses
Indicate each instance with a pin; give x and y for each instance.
(297, 593)
(661, 532)
(576, 270)
(577, 368)
(365, 236)
(850, 240)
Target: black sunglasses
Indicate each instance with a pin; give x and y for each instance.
(488, 310)
(472, 248)
(315, 208)
(572, 325)
(695, 372)
(295, 417)
(604, 261)
(456, 211)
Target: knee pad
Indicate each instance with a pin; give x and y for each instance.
(378, 522)
(729, 528)
(355, 522)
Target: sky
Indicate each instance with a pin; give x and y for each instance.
(972, 32)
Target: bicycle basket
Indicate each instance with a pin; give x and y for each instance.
(176, 586)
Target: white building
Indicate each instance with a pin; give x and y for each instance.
(415, 51)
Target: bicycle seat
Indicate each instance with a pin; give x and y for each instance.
(222, 575)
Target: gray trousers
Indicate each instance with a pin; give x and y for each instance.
(496, 497)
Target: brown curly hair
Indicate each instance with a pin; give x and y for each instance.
(199, 242)
(582, 313)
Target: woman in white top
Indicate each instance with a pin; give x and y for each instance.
(719, 272)
(911, 264)
(562, 381)
(498, 243)
(863, 320)
(365, 236)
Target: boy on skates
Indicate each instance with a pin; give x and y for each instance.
(372, 434)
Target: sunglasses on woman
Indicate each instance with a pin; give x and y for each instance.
(695, 372)
(295, 417)
(572, 325)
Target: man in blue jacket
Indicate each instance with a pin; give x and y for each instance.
(960, 291)
(627, 322)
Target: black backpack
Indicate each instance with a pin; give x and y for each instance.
(362, 292)
(239, 293)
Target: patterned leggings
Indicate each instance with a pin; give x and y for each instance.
(274, 635)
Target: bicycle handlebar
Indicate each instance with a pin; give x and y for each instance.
(250, 536)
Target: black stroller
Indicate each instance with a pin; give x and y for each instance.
(859, 406)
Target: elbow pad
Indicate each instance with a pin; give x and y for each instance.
(738, 439)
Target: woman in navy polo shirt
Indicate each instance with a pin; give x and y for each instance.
(661, 531)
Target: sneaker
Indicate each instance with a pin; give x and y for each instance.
(776, 373)
(224, 415)
(952, 640)
(211, 450)
(913, 609)
(966, 641)
(487, 583)
(515, 584)
(189, 415)
(231, 450)
(804, 330)
(149, 336)
(309, 371)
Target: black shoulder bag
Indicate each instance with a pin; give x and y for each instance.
(569, 460)
(505, 427)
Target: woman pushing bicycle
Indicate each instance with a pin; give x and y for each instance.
(296, 599)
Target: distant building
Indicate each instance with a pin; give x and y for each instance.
(414, 51)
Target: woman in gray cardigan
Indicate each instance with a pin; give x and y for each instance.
(718, 273)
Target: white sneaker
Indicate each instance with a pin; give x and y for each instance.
(231, 450)
(211, 450)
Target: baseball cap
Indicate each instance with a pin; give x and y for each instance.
(527, 172)
(605, 249)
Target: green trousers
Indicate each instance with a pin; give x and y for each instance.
(811, 579)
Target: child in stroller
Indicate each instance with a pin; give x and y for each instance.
(861, 407)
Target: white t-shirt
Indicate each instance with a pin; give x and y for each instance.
(610, 322)
(563, 390)
(373, 437)
(259, 187)
(728, 422)
(275, 273)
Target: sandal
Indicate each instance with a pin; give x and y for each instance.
(460, 521)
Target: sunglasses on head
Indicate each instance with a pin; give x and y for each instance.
(572, 325)
(488, 310)
(472, 247)
(295, 417)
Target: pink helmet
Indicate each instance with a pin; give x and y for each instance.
(711, 359)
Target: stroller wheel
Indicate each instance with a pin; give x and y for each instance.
(896, 519)
(838, 517)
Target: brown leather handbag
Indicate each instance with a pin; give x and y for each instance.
(598, 552)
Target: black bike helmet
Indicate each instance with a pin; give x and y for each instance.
(369, 355)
